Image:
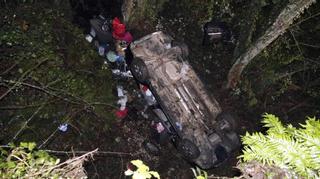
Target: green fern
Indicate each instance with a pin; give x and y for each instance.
(286, 147)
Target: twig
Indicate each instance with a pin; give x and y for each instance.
(309, 45)
(51, 135)
(26, 123)
(55, 131)
(296, 42)
(302, 104)
(301, 54)
(10, 68)
(82, 157)
(121, 171)
(283, 75)
(84, 152)
(303, 20)
(23, 107)
(40, 89)
(77, 152)
(96, 174)
(20, 160)
(52, 93)
(21, 79)
(313, 61)
(105, 104)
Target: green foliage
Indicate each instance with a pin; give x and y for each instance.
(290, 63)
(199, 174)
(42, 49)
(142, 171)
(144, 11)
(24, 161)
(287, 147)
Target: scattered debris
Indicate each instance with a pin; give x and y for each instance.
(63, 127)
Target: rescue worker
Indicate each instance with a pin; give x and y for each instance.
(100, 34)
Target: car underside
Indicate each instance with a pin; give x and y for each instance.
(201, 131)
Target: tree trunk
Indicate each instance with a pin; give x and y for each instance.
(283, 21)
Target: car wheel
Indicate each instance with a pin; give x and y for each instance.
(151, 148)
(139, 70)
(188, 149)
(226, 122)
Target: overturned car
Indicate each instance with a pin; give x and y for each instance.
(202, 133)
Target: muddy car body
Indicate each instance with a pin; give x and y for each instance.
(187, 110)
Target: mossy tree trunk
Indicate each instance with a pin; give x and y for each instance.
(281, 24)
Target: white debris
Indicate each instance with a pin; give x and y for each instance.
(123, 102)
(159, 127)
(63, 127)
(184, 69)
(120, 91)
(89, 38)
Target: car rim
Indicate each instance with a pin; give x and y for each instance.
(187, 151)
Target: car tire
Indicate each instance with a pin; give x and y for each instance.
(139, 70)
(188, 149)
(151, 148)
(226, 122)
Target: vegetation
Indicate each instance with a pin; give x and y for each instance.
(283, 150)
(24, 161)
(49, 73)
(141, 172)
(199, 174)
(287, 67)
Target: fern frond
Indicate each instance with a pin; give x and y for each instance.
(273, 123)
(289, 148)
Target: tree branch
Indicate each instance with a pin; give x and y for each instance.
(21, 79)
(27, 121)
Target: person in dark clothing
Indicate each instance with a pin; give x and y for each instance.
(102, 30)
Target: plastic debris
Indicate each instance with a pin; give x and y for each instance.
(143, 114)
(119, 58)
(159, 127)
(120, 91)
(184, 69)
(179, 126)
(123, 102)
(101, 50)
(122, 113)
(63, 127)
(117, 72)
(117, 139)
(89, 38)
(111, 56)
(167, 46)
(127, 37)
(119, 29)
(146, 90)
(148, 96)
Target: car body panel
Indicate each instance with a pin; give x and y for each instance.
(180, 93)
